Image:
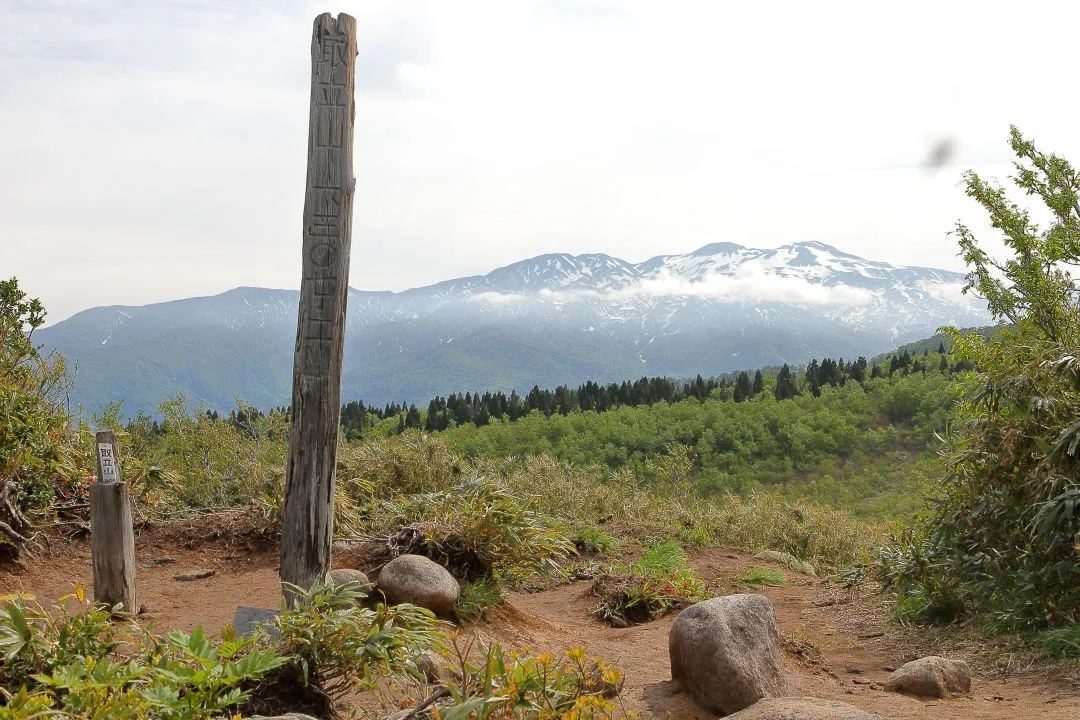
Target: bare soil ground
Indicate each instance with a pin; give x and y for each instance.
(838, 643)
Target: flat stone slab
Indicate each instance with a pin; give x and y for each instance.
(247, 619)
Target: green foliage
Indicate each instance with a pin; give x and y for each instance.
(37, 457)
(591, 539)
(83, 666)
(756, 578)
(658, 583)
(862, 446)
(72, 667)
(476, 598)
(497, 685)
(1061, 642)
(474, 529)
(337, 645)
(207, 462)
(1004, 538)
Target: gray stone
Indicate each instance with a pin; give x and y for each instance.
(802, 708)
(195, 575)
(787, 559)
(344, 576)
(420, 581)
(931, 676)
(247, 619)
(726, 652)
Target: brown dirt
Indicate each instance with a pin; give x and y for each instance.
(838, 641)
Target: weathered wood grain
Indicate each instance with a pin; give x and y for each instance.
(308, 521)
(112, 545)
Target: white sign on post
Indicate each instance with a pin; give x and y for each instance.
(107, 463)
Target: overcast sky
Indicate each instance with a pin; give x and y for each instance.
(154, 150)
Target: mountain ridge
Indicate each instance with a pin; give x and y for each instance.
(552, 319)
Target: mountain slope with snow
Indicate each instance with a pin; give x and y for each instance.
(548, 320)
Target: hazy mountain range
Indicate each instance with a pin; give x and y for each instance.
(544, 321)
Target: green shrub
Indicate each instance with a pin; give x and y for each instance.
(83, 666)
(476, 598)
(499, 685)
(335, 645)
(1061, 642)
(658, 583)
(38, 446)
(71, 667)
(1001, 541)
(756, 578)
(474, 529)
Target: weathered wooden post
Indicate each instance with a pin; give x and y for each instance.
(112, 540)
(308, 522)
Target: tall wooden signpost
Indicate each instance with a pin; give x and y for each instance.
(308, 522)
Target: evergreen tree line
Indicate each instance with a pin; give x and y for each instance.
(480, 409)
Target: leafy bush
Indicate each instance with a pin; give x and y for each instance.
(37, 444)
(1004, 538)
(500, 685)
(756, 578)
(658, 583)
(73, 667)
(1061, 642)
(335, 645)
(476, 598)
(474, 529)
(83, 666)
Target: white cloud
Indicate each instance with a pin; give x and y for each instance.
(156, 150)
(753, 283)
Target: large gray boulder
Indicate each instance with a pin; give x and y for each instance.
(802, 708)
(417, 580)
(726, 652)
(931, 676)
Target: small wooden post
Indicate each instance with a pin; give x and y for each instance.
(308, 518)
(112, 540)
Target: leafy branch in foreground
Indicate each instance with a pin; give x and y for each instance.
(1004, 539)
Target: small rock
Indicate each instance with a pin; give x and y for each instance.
(247, 619)
(416, 579)
(430, 666)
(344, 576)
(726, 651)
(787, 559)
(195, 575)
(888, 668)
(618, 621)
(931, 676)
(802, 708)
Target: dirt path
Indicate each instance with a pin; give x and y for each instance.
(854, 641)
(855, 644)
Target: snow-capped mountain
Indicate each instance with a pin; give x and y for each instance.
(547, 320)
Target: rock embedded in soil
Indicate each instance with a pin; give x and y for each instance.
(726, 652)
(345, 576)
(802, 708)
(247, 619)
(195, 575)
(420, 581)
(931, 676)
